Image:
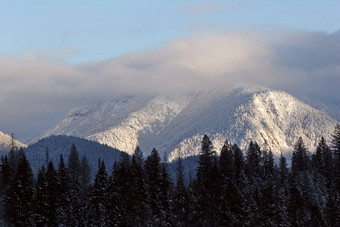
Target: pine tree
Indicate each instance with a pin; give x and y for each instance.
(268, 164)
(164, 197)
(336, 151)
(154, 180)
(283, 168)
(227, 162)
(52, 192)
(120, 193)
(181, 206)
(5, 182)
(114, 213)
(300, 161)
(40, 201)
(239, 162)
(253, 158)
(73, 167)
(63, 200)
(141, 210)
(206, 186)
(318, 157)
(206, 160)
(332, 211)
(271, 212)
(22, 195)
(97, 203)
(297, 210)
(84, 178)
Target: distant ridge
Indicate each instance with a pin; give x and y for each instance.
(61, 145)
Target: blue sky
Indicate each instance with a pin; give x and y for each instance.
(85, 30)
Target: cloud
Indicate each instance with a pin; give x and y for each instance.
(37, 90)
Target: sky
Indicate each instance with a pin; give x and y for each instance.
(57, 55)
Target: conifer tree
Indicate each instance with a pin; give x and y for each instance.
(253, 160)
(336, 151)
(206, 185)
(140, 211)
(113, 210)
(97, 203)
(40, 201)
(227, 162)
(22, 192)
(318, 161)
(164, 197)
(268, 164)
(73, 168)
(63, 200)
(332, 211)
(300, 160)
(297, 211)
(154, 180)
(119, 190)
(52, 194)
(5, 172)
(181, 206)
(239, 162)
(271, 212)
(84, 177)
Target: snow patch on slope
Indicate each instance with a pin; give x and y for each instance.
(6, 142)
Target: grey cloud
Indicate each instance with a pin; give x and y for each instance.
(36, 90)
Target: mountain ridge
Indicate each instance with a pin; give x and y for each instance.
(176, 123)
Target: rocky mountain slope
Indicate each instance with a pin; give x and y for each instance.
(175, 124)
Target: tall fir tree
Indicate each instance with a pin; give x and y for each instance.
(52, 192)
(97, 202)
(227, 162)
(141, 210)
(154, 181)
(40, 200)
(84, 177)
(63, 200)
(22, 191)
(253, 158)
(181, 201)
(300, 159)
(73, 167)
(336, 151)
(206, 189)
(239, 162)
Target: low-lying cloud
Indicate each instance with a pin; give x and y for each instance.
(37, 90)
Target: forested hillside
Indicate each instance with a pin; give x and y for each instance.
(236, 188)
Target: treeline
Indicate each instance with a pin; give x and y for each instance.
(234, 189)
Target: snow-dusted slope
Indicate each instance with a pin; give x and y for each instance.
(6, 142)
(176, 123)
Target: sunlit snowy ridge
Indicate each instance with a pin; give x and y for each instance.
(175, 124)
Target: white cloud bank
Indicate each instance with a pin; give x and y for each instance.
(36, 91)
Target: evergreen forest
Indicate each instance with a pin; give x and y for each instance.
(235, 188)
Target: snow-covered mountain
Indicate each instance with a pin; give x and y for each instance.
(6, 143)
(176, 123)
